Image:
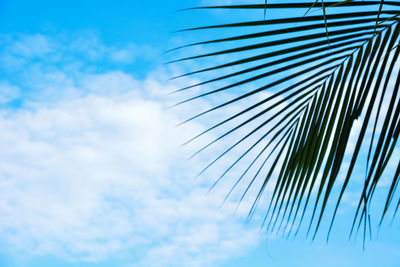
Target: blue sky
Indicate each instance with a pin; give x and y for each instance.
(91, 173)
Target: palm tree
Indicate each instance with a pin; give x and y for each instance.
(327, 73)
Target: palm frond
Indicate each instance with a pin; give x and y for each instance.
(326, 72)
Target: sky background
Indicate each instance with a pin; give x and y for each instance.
(91, 169)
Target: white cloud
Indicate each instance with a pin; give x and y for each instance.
(59, 50)
(8, 92)
(94, 172)
(123, 55)
(30, 46)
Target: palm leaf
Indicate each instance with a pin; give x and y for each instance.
(325, 73)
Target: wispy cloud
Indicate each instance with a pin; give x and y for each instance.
(90, 167)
